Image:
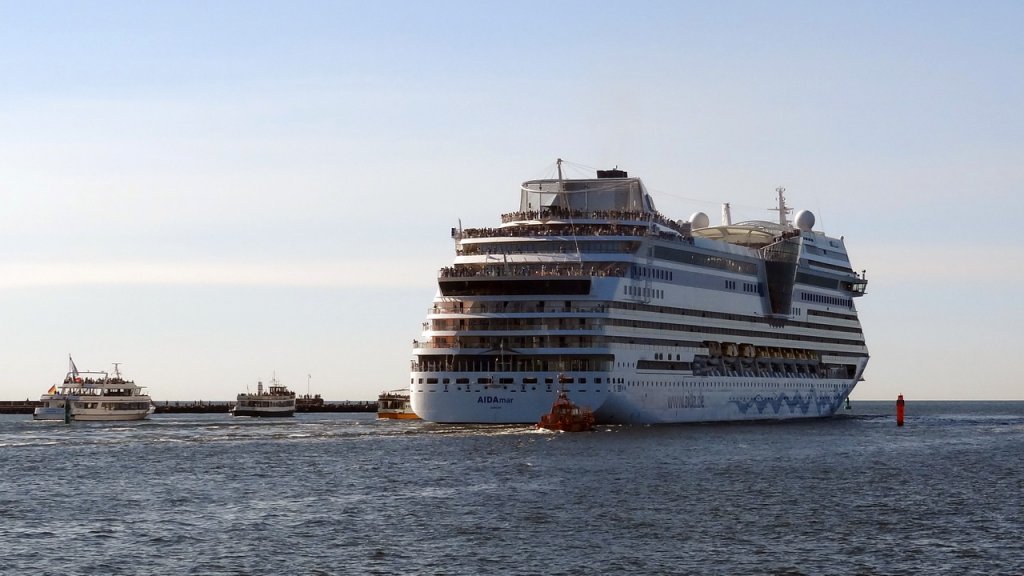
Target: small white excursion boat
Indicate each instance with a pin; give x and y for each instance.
(395, 405)
(277, 400)
(94, 396)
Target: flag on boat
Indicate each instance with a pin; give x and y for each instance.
(72, 368)
(52, 390)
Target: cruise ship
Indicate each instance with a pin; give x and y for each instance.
(587, 288)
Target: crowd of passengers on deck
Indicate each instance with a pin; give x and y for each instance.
(79, 380)
(557, 212)
(542, 270)
(560, 230)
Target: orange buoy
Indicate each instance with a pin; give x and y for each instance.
(899, 410)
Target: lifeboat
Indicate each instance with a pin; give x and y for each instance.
(714, 348)
(567, 417)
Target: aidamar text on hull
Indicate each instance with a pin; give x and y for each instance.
(588, 288)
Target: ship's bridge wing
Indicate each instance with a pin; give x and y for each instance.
(753, 234)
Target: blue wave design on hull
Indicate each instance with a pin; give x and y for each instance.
(824, 404)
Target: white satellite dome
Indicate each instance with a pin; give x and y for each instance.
(805, 220)
(700, 220)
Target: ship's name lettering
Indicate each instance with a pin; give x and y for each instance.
(493, 400)
(686, 401)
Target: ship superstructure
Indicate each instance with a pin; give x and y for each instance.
(588, 288)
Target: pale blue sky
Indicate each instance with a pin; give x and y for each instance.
(212, 191)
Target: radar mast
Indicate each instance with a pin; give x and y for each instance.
(782, 208)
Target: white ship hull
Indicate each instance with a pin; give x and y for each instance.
(108, 413)
(687, 400)
(120, 416)
(48, 413)
(265, 412)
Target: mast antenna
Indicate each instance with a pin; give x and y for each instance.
(782, 209)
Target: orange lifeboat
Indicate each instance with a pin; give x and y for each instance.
(567, 417)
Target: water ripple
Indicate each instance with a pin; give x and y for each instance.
(342, 494)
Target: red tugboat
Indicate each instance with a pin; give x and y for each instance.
(567, 417)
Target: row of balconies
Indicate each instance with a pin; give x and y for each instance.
(516, 307)
(510, 342)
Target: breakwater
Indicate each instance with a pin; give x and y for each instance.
(210, 407)
(213, 407)
(18, 406)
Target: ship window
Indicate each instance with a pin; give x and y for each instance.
(447, 380)
(549, 380)
(421, 381)
(462, 380)
(431, 380)
(483, 380)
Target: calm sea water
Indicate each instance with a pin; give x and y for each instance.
(346, 494)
